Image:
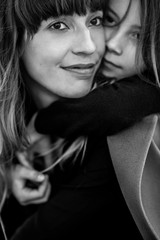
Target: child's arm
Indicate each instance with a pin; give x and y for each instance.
(106, 110)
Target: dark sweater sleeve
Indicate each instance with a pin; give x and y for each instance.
(107, 110)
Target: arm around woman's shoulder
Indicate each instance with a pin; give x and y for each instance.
(107, 109)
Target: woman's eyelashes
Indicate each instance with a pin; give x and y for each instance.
(96, 21)
(60, 26)
(69, 23)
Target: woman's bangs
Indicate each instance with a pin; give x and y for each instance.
(34, 11)
(80, 7)
(56, 8)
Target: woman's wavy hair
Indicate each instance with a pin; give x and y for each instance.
(11, 111)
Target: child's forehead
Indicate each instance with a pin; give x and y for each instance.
(127, 11)
(119, 7)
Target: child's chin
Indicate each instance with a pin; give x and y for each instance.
(108, 74)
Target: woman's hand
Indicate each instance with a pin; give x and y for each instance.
(28, 185)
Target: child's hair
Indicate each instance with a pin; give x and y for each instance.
(150, 37)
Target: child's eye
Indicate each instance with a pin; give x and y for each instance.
(135, 35)
(97, 21)
(109, 21)
(59, 26)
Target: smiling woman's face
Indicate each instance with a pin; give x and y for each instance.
(122, 39)
(63, 56)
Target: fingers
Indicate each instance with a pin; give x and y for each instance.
(27, 184)
(19, 172)
(38, 196)
(22, 158)
(25, 195)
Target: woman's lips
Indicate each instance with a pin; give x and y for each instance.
(83, 69)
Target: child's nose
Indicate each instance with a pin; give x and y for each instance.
(115, 43)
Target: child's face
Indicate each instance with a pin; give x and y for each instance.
(64, 55)
(122, 40)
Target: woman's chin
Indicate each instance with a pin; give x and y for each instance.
(77, 95)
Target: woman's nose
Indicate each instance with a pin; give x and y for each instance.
(115, 43)
(84, 43)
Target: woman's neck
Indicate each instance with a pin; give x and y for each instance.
(41, 97)
(39, 94)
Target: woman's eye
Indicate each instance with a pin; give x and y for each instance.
(59, 26)
(97, 21)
